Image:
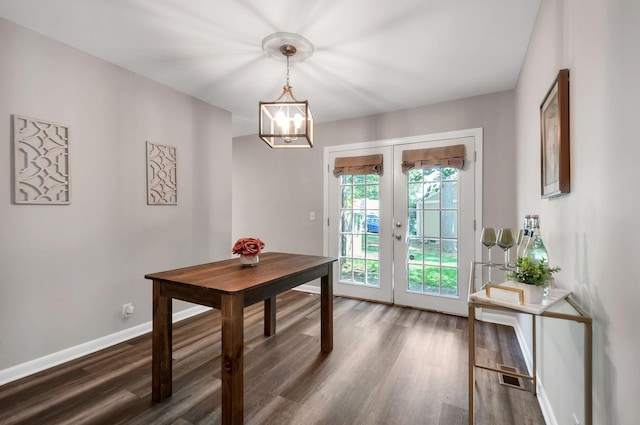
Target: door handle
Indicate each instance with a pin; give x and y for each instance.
(398, 236)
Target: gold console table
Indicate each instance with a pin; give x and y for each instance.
(564, 309)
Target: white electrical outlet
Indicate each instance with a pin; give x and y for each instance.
(127, 310)
(575, 419)
(312, 215)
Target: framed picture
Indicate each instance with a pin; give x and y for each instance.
(554, 137)
(162, 174)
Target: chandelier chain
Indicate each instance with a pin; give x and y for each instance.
(287, 70)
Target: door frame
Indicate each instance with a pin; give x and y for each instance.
(476, 133)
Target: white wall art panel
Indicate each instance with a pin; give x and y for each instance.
(162, 182)
(41, 162)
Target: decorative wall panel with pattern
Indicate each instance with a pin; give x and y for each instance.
(162, 182)
(41, 162)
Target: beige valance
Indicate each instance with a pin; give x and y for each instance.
(358, 165)
(448, 156)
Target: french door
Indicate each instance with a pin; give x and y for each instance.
(404, 236)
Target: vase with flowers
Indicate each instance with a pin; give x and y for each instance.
(249, 250)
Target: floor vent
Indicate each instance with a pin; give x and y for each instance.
(508, 380)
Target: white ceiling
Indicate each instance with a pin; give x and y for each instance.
(371, 56)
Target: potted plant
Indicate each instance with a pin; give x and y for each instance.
(533, 273)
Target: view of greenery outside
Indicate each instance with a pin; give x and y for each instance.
(432, 245)
(359, 212)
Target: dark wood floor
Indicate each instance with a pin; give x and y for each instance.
(390, 365)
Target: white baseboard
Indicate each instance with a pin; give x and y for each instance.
(507, 320)
(543, 401)
(313, 289)
(36, 365)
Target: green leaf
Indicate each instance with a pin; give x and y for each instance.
(531, 272)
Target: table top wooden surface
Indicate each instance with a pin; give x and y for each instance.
(229, 276)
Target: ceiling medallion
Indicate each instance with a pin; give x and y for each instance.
(286, 122)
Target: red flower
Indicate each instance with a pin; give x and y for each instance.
(248, 246)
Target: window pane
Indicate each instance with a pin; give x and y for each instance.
(372, 247)
(431, 198)
(346, 200)
(358, 246)
(346, 218)
(449, 195)
(413, 223)
(415, 194)
(346, 247)
(450, 174)
(450, 224)
(414, 175)
(345, 269)
(358, 271)
(372, 273)
(431, 175)
(432, 252)
(415, 277)
(414, 254)
(373, 179)
(450, 252)
(449, 281)
(373, 196)
(432, 280)
(358, 221)
(431, 224)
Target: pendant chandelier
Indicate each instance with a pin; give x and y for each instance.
(286, 122)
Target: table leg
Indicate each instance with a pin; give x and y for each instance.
(472, 362)
(232, 307)
(270, 316)
(326, 314)
(161, 345)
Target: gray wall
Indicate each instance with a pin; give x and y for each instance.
(274, 190)
(591, 233)
(65, 271)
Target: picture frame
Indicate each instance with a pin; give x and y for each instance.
(162, 174)
(555, 175)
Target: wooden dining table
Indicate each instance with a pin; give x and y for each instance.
(228, 286)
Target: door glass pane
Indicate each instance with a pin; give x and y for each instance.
(359, 229)
(415, 278)
(432, 244)
(449, 224)
(432, 252)
(345, 268)
(431, 223)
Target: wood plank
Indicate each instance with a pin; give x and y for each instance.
(389, 365)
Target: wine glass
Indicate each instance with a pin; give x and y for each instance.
(506, 239)
(488, 239)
